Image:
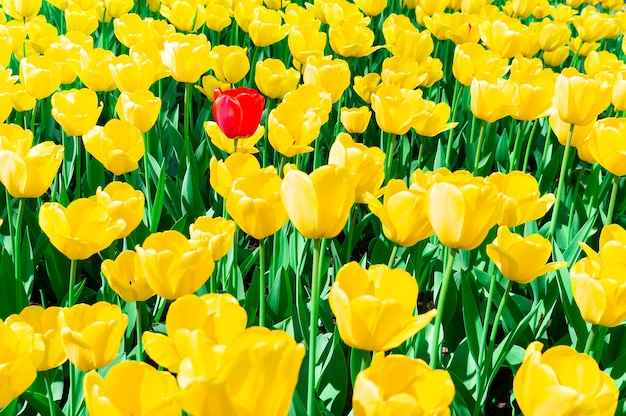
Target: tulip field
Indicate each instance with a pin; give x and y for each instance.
(334, 207)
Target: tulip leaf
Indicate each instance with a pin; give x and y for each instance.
(359, 361)
(39, 402)
(251, 302)
(279, 299)
(462, 371)
(471, 316)
(10, 409)
(332, 373)
(12, 289)
(58, 268)
(617, 371)
(159, 197)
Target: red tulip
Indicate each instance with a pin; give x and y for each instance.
(238, 111)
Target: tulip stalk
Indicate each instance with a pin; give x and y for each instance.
(559, 189)
(595, 344)
(318, 246)
(139, 332)
(262, 282)
(16, 242)
(614, 189)
(481, 138)
(435, 348)
(390, 149)
(529, 145)
(517, 146)
(392, 256)
(455, 106)
(147, 181)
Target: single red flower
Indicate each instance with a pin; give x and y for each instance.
(238, 111)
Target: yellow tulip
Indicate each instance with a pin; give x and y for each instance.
(607, 144)
(292, 128)
(209, 85)
(402, 71)
(411, 43)
(266, 27)
(472, 60)
(217, 233)
(355, 120)
(217, 16)
(131, 73)
(21, 99)
(534, 98)
(223, 142)
(562, 382)
(557, 56)
(505, 36)
(403, 213)
(304, 41)
(396, 109)
(374, 307)
(112, 9)
(213, 319)
(493, 99)
(118, 146)
(521, 200)
(186, 56)
(462, 209)
(230, 63)
(366, 85)
(318, 204)
(521, 259)
(552, 35)
(598, 286)
(21, 351)
(333, 75)
(371, 7)
(80, 230)
(273, 79)
(347, 39)
(223, 173)
(93, 69)
(561, 130)
(125, 277)
(173, 266)
(255, 205)
(435, 120)
(593, 26)
(45, 325)
(79, 20)
(21, 10)
(258, 375)
(399, 385)
(579, 98)
(40, 76)
(139, 108)
(77, 111)
(185, 15)
(122, 201)
(131, 388)
(311, 97)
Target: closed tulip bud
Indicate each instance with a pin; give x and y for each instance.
(186, 56)
(471, 60)
(214, 319)
(122, 201)
(91, 334)
(579, 98)
(399, 385)
(607, 144)
(521, 259)
(255, 205)
(435, 120)
(230, 63)
(185, 15)
(347, 39)
(80, 230)
(124, 275)
(131, 388)
(355, 120)
(93, 69)
(131, 73)
(45, 325)
(217, 233)
(305, 41)
(292, 128)
(138, 108)
(493, 99)
(333, 75)
(462, 209)
(599, 291)
(226, 144)
(27, 172)
(173, 266)
(366, 85)
(266, 27)
(552, 35)
(403, 213)
(258, 375)
(223, 173)
(396, 109)
(273, 79)
(387, 295)
(118, 146)
(318, 204)
(238, 111)
(40, 76)
(562, 381)
(21, 351)
(217, 17)
(77, 111)
(521, 200)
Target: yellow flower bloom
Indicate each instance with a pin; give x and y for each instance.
(131, 388)
(504, 36)
(139, 108)
(93, 69)
(402, 72)
(396, 109)
(21, 10)
(122, 201)
(304, 41)
(411, 43)
(471, 60)
(223, 173)
(273, 79)
(217, 17)
(80, 230)
(521, 259)
(266, 27)
(493, 99)
(186, 56)
(118, 146)
(292, 128)
(579, 98)
(40, 76)
(399, 385)
(333, 75)
(371, 7)
(132, 73)
(185, 15)
(355, 120)
(562, 381)
(366, 85)
(598, 286)
(374, 307)
(257, 376)
(45, 325)
(213, 319)
(217, 233)
(91, 334)
(561, 130)
(348, 39)
(230, 63)
(318, 204)
(521, 201)
(403, 213)
(209, 85)
(125, 277)
(77, 111)
(607, 144)
(435, 120)
(226, 144)
(173, 266)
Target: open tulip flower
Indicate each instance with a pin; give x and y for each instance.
(217, 232)
(374, 307)
(118, 146)
(224, 172)
(238, 111)
(125, 276)
(607, 144)
(562, 381)
(579, 98)
(77, 111)
(226, 144)
(139, 108)
(122, 201)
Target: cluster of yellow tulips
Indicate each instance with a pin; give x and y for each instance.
(157, 238)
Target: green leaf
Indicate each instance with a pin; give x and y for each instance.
(332, 379)
(471, 316)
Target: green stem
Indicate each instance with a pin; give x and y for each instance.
(591, 338)
(70, 295)
(455, 106)
(32, 119)
(315, 295)
(77, 152)
(350, 232)
(139, 332)
(392, 256)
(483, 340)
(435, 347)
(559, 189)
(46, 379)
(529, 145)
(517, 147)
(187, 114)
(389, 156)
(235, 143)
(544, 157)
(420, 152)
(146, 144)
(262, 282)
(72, 397)
(609, 214)
(481, 138)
